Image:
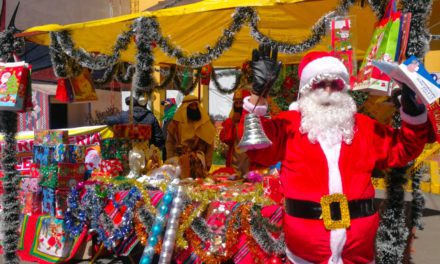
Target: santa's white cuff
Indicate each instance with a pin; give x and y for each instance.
(414, 120)
(259, 110)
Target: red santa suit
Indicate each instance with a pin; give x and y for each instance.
(311, 170)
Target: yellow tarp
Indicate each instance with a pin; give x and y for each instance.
(104, 132)
(193, 27)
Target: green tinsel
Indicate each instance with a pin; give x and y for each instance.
(419, 36)
(10, 202)
(392, 233)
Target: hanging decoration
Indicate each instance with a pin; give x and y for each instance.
(9, 47)
(219, 87)
(392, 233)
(419, 37)
(148, 36)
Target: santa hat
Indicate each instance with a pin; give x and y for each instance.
(317, 64)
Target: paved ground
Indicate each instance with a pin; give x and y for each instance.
(427, 243)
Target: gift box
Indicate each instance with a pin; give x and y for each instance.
(48, 201)
(31, 203)
(49, 176)
(34, 170)
(272, 188)
(51, 137)
(69, 153)
(43, 155)
(70, 174)
(132, 131)
(60, 203)
(29, 184)
(112, 167)
(109, 147)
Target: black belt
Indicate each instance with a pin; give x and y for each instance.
(312, 210)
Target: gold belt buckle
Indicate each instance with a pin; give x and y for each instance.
(329, 223)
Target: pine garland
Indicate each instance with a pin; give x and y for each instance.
(148, 34)
(11, 209)
(219, 87)
(419, 37)
(418, 201)
(392, 233)
(10, 44)
(10, 222)
(143, 78)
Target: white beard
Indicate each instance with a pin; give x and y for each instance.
(327, 117)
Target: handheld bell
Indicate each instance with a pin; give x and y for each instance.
(253, 135)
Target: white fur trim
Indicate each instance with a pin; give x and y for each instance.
(326, 65)
(260, 110)
(294, 106)
(414, 120)
(294, 258)
(338, 237)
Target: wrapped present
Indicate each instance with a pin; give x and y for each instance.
(272, 188)
(51, 137)
(109, 147)
(70, 174)
(70, 153)
(49, 176)
(43, 155)
(15, 86)
(34, 170)
(31, 202)
(132, 131)
(48, 201)
(29, 184)
(112, 167)
(60, 203)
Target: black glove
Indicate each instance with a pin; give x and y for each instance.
(409, 103)
(265, 69)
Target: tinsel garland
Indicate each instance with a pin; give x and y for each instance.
(392, 233)
(419, 36)
(201, 229)
(144, 81)
(318, 32)
(148, 35)
(10, 44)
(418, 199)
(107, 76)
(10, 221)
(89, 60)
(219, 87)
(378, 7)
(169, 77)
(63, 65)
(259, 230)
(125, 72)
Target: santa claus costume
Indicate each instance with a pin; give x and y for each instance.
(328, 153)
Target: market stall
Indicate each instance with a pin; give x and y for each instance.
(211, 220)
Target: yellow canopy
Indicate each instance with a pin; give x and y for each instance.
(193, 27)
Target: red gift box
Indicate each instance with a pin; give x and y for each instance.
(70, 174)
(112, 167)
(31, 202)
(132, 131)
(272, 188)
